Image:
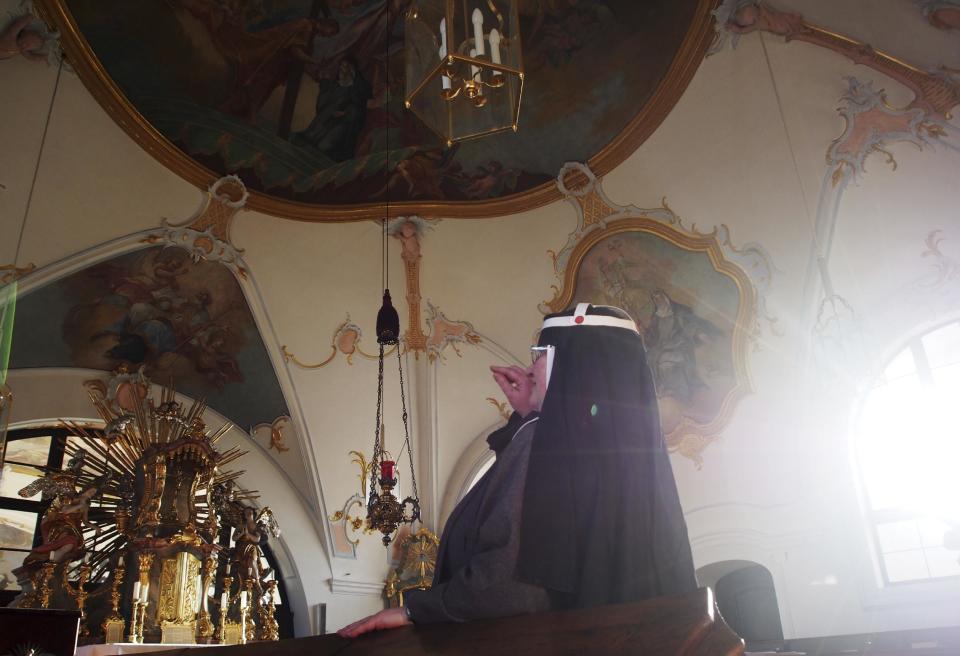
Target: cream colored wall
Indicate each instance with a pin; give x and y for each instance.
(744, 147)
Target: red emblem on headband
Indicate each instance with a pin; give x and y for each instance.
(579, 319)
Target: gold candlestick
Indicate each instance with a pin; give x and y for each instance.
(243, 622)
(80, 596)
(114, 619)
(143, 618)
(134, 615)
(222, 638)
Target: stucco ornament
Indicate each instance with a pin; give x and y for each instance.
(206, 235)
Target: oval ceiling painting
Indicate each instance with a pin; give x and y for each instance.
(303, 99)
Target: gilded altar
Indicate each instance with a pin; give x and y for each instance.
(147, 532)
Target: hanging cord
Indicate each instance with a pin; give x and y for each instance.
(36, 169)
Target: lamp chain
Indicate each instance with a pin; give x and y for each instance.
(375, 458)
(406, 430)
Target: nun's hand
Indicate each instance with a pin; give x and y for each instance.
(517, 385)
(392, 618)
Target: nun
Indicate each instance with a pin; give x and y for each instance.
(580, 508)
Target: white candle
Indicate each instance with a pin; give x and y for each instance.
(136, 591)
(228, 570)
(144, 592)
(243, 599)
(474, 70)
(224, 600)
(120, 562)
(477, 19)
(443, 50)
(495, 46)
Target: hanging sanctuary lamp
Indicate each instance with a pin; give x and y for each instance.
(385, 512)
(464, 66)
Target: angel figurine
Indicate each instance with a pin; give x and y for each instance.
(61, 526)
(250, 530)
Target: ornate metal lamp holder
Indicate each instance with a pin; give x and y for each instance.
(384, 512)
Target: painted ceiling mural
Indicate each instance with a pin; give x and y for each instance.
(183, 321)
(303, 99)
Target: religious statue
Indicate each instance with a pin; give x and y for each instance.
(250, 530)
(19, 38)
(64, 520)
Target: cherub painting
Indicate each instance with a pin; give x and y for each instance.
(164, 312)
(154, 313)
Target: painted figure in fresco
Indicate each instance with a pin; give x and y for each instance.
(341, 113)
(261, 60)
(622, 288)
(63, 522)
(20, 39)
(490, 181)
(422, 173)
(161, 320)
(672, 336)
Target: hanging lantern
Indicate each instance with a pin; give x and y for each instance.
(384, 512)
(464, 67)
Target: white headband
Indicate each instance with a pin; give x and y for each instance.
(581, 318)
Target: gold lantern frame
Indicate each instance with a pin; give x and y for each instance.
(459, 90)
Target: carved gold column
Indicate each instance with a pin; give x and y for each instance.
(269, 629)
(204, 623)
(43, 590)
(154, 480)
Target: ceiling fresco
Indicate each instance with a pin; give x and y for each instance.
(303, 99)
(184, 322)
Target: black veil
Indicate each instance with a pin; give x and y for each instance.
(602, 521)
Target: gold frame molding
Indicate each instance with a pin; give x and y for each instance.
(688, 438)
(692, 50)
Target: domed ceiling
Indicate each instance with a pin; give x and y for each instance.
(303, 99)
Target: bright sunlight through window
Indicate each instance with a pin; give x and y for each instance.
(908, 449)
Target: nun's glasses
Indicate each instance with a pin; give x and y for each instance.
(537, 352)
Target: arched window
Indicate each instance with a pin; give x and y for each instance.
(907, 445)
(19, 517)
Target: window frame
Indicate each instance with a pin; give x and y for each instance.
(55, 456)
(924, 373)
